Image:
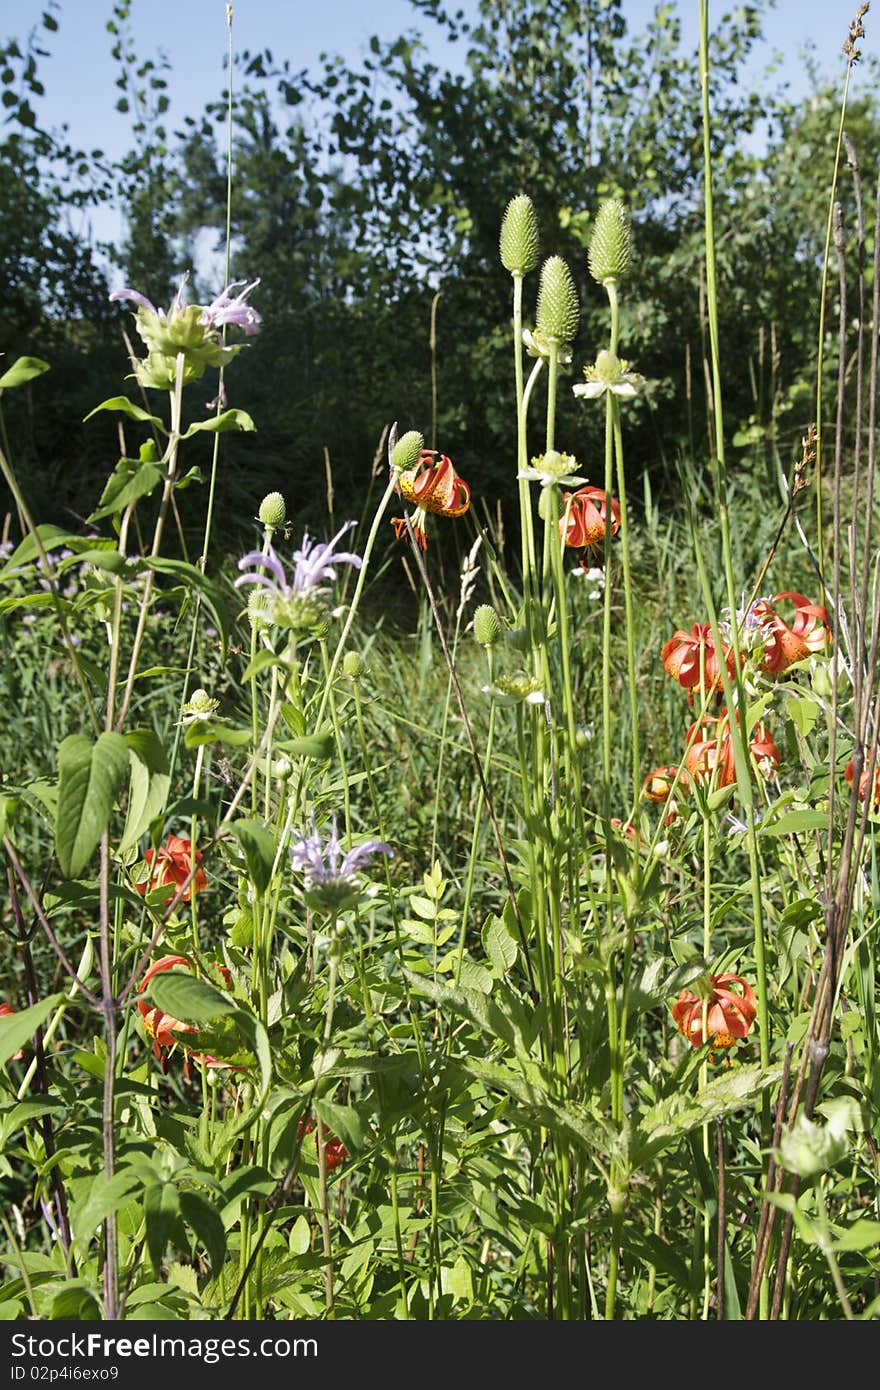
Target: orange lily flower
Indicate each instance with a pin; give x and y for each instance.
(849, 773)
(432, 486)
(683, 654)
(709, 746)
(173, 865)
(585, 520)
(784, 645)
(657, 786)
(730, 1013)
(5, 1011)
(335, 1152)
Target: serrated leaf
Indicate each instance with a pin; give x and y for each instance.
(90, 777)
(677, 1115)
(258, 846)
(17, 1029)
(499, 945)
(149, 781)
(23, 370)
(219, 424)
(126, 407)
(188, 998)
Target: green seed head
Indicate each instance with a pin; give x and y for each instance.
(558, 312)
(353, 665)
(519, 236)
(610, 249)
(407, 450)
(487, 625)
(273, 510)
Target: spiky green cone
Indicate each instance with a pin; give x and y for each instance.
(487, 625)
(407, 450)
(519, 236)
(558, 312)
(273, 510)
(610, 250)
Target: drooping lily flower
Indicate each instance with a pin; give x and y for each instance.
(172, 864)
(710, 755)
(783, 644)
(730, 1013)
(431, 486)
(849, 773)
(692, 659)
(584, 521)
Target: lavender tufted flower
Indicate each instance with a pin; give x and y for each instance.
(296, 603)
(227, 310)
(192, 331)
(330, 878)
(314, 560)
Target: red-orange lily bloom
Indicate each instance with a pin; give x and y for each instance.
(173, 865)
(784, 645)
(657, 786)
(335, 1152)
(5, 1011)
(709, 746)
(849, 773)
(690, 657)
(730, 1013)
(432, 486)
(584, 521)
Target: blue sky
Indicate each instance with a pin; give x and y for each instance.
(80, 75)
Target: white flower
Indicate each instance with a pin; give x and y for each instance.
(609, 373)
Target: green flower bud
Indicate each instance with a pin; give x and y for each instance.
(407, 450)
(610, 249)
(353, 665)
(488, 627)
(810, 1149)
(519, 236)
(273, 510)
(558, 312)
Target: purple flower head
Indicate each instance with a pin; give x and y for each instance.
(314, 560)
(141, 300)
(329, 876)
(297, 602)
(228, 310)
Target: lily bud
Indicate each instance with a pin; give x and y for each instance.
(519, 236)
(558, 312)
(407, 450)
(610, 249)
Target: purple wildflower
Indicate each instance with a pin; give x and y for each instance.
(314, 560)
(295, 602)
(228, 310)
(329, 876)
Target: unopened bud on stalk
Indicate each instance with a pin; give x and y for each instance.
(558, 312)
(519, 236)
(406, 451)
(273, 511)
(610, 248)
(488, 627)
(353, 665)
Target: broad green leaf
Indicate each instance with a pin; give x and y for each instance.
(212, 731)
(499, 945)
(803, 712)
(25, 369)
(130, 480)
(205, 1220)
(91, 777)
(162, 1213)
(309, 746)
(677, 1115)
(188, 998)
(104, 1197)
(51, 538)
(149, 781)
(258, 846)
(795, 822)
(127, 407)
(344, 1123)
(500, 1020)
(75, 1304)
(538, 1110)
(219, 424)
(861, 1235)
(260, 662)
(16, 1030)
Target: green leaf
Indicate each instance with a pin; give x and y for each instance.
(344, 1122)
(205, 1221)
(795, 822)
(537, 1110)
(803, 712)
(25, 369)
(193, 578)
(149, 781)
(91, 777)
(499, 945)
(105, 1196)
(188, 998)
(51, 538)
(17, 1029)
(75, 1304)
(130, 480)
(127, 407)
(260, 662)
(309, 746)
(219, 424)
(258, 847)
(162, 1213)
(678, 1114)
(861, 1235)
(212, 731)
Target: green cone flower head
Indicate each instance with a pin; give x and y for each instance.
(610, 249)
(405, 454)
(353, 665)
(273, 511)
(519, 236)
(488, 627)
(558, 312)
